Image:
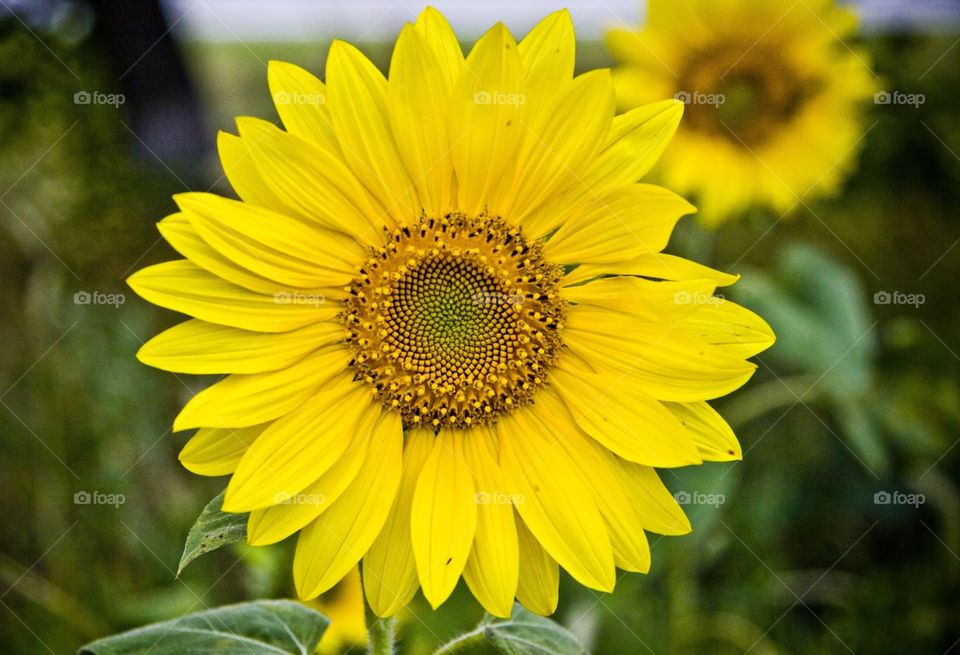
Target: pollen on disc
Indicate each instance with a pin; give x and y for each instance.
(455, 320)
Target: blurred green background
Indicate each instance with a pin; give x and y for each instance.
(806, 547)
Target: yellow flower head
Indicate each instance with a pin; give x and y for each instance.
(452, 345)
(774, 96)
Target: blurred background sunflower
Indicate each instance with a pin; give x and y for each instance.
(758, 79)
(838, 532)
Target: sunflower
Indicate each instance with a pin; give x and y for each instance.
(452, 346)
(774, 93)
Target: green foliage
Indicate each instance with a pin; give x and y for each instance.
(263, 627)
(525, 633)
(214, 529)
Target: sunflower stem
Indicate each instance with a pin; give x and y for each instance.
(381, 634)
(462, 642)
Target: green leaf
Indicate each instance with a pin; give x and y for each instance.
(214, 529)
(263, 627)
(525, 633)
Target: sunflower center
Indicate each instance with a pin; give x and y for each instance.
(744, 97)
(455, 320)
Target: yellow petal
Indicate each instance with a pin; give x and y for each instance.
(311, 182)
(554, 501)
(655, 301)
(623, 418)
(549, 160)
(714, 438)
(485, 131)
(242, 173)
(635, 143)
(418, 97)
(631, 551)
(440, 38)
(389, 568)
(443, 517)
(298, 448)
(626, 222)
(217, 451)
(358, 109)
(301, 99)
(655, 265)
(548, 53)
(180, 234)
(657, 506)
(276, 522)
(493, 566)
(202, 348)
(273, 245)
(728, 326)
(185, 287)
(244, 400)
(538, 586)
(330, 546)
(651, 357)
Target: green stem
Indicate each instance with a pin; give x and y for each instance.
(462, 642)
(381, 635)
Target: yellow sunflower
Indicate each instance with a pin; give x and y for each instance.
(452, 345)
(774, 94)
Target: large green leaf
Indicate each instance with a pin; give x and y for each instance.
(525, 633)
(214, 529)
(263, 627)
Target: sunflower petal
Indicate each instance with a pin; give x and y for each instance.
(300, 99)
(358, 109)
(330, 546)
(714, 438)
(185, 287)
(217, 451)
(242, 173)
(493, 566)
(298, 448)
(538, 585)
(554, 501)
(389, 568)
(443, 517)
(654, 265)
(484, 127)
(203, 348)
(277, 522)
